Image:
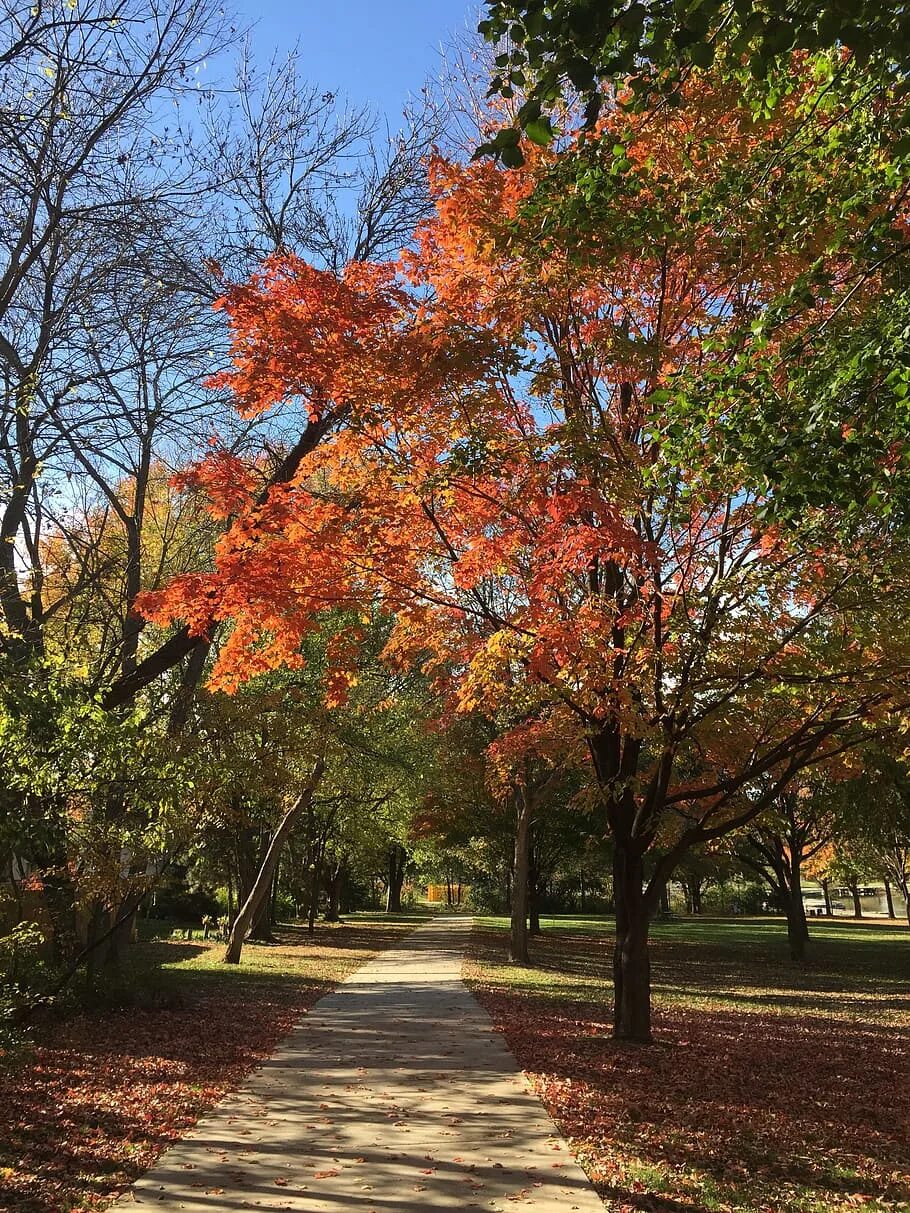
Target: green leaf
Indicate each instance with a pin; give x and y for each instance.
(539, 131)
(702, 54)
(512, 157)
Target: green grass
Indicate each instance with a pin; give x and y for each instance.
(165, 969)
(852, 970)
(772, 1086)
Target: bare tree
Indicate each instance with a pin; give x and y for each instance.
(87, 186)
(295, 168)
(116, 206)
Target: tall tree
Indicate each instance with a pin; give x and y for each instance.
(797, 829)
(698, 871)
(288, 167)
(509, 484)
(874, 833)
(92, 198)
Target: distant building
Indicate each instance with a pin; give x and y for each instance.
(449, 894)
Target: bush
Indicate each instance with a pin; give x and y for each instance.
(25, 977)
(487, 894)
(178, 904)
(23, 964)
(735, 897)
(285, 909)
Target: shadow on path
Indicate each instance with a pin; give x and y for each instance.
(393, 1094)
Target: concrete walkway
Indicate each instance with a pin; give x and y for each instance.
(394, 1093)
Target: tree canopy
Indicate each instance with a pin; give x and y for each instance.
(546, 49)
(508, 477)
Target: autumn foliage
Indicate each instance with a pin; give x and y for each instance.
(502, 472)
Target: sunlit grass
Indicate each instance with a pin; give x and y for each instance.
(172, 969)
(740, 963)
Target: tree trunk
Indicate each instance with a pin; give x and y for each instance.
(96, 929)
(122, 934)
(397, 858)
(273, 900)
(333, 888)
(249, 863)
(518, 930)
(396, 878)
(692, 887)
(260, 888)
(533, 901)
(665, 898)
(315, 890)
(829, 913)
(889, 899)
(248, 860)
(797, 926)
(263, 918)
(857, 906)
(581, 892)
(261, 927)
(631, 962)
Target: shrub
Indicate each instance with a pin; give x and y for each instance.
(184, 905)
(25, 977)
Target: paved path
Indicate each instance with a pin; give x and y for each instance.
(393, 1094)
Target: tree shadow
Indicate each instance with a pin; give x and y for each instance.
(110, 1085)
(770, 1096)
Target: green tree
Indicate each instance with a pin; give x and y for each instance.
(552, 49)
(875, 830)
(94, 806)
(798, 828)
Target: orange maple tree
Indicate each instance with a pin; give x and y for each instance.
(498, 474)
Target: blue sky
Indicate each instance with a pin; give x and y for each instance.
(373, 51)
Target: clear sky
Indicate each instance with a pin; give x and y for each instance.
(373, 51)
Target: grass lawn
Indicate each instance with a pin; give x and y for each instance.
(771, 1088)
(105, 1090)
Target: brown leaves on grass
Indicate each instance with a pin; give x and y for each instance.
(105, 1092)
(734, 1109)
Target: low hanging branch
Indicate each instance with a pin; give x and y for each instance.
(263, 880)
